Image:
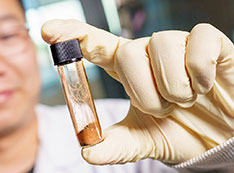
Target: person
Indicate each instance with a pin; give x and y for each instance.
(181, 89)
(33, 137)
(38, 138)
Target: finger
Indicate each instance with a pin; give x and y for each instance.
(167, 53)
(98, 46)
(133, 68)
(207, 48)
(124, 142)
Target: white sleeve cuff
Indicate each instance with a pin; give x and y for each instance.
(220, 157)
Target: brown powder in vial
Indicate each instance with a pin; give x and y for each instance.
(89, 135)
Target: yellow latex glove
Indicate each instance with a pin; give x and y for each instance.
(181, 87)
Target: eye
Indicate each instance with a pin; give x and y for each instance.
(8, 36)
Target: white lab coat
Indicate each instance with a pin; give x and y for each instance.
(59, 150)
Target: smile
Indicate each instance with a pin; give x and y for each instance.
(5, 96)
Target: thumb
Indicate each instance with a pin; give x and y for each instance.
(98, 46)
(124, 142)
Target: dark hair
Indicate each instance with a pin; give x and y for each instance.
(22, 5)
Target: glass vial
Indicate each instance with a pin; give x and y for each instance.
(67, 56)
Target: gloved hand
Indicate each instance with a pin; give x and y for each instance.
(181, 87)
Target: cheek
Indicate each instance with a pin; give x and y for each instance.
(29, 71)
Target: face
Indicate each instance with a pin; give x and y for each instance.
(19, 74)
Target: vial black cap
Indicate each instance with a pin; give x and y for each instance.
(66, 52)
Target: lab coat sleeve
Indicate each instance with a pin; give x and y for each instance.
(219, 158)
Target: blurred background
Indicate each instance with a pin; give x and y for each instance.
(127, 18)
